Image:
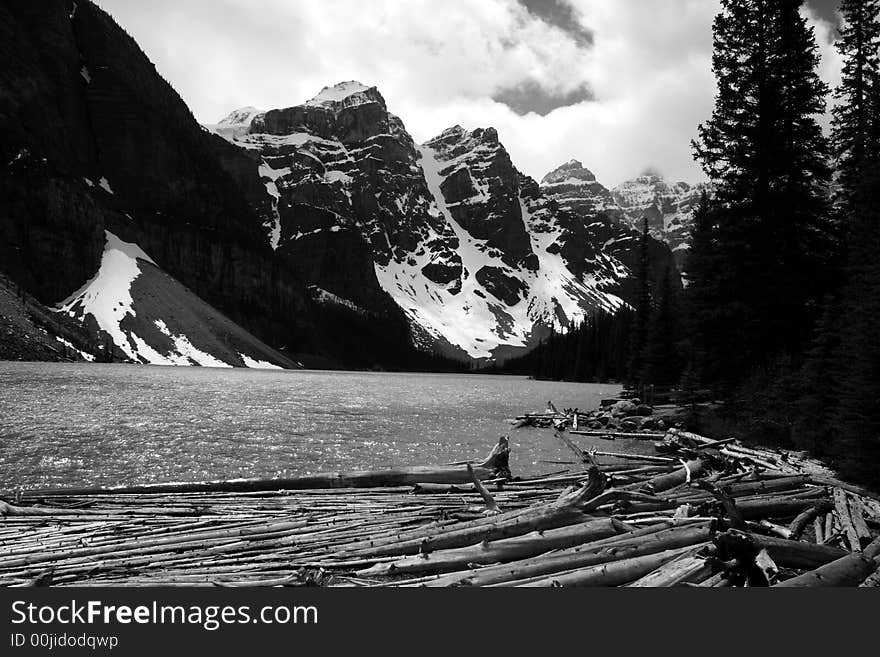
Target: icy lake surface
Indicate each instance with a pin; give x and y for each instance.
(81, 424)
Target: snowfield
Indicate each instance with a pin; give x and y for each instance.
(140, 327)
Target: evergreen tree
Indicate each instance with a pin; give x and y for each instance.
(703, 322)
(770, 240)
(856, 141)
(816, 405)
(600, 346)
(857, 445)
(663, 362)
(642, 318)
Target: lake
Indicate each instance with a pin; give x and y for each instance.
(73, 424)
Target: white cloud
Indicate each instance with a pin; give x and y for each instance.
(438, 64)
(831, 64)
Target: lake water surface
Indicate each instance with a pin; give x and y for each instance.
(65, 424)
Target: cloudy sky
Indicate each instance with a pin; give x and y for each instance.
(620, 85)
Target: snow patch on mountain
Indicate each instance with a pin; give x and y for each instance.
(557, 296)
(323, 296)
(471, 316)
(184, 352)
(86, 356)
(134, 302)
(467, 246)
(107, 296)
(350, 92)
(667, 206)
(274, 226)
(235, 124)
(467, 317)
(253, 363)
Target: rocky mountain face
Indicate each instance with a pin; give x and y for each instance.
(92, 140)
(478, 258)
(319, 233)
(667, 206)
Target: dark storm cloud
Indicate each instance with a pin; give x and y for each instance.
(827, 10)
(530, 96)
(561, 14)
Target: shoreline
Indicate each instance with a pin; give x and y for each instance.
(701, 512)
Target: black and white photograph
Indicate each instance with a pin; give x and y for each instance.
(346, 294)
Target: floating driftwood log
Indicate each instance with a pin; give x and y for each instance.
(493, 466)
(703, 512)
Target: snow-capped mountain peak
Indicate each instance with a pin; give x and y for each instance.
(667, 206)
(571, 172)
(346, 93)
(236, 123)
(242, 116)
(476, 257)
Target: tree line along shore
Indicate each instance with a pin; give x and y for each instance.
(778, 317)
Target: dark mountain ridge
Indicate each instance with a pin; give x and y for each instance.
(322, 228)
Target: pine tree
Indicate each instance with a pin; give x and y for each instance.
(663, 362)
(642, 317)
(770, 237)
(855, 138)
(816, 406)
(703, 323)
(857, 445)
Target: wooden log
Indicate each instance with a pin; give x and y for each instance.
(852, 488)
(829, 526)
(849, 570)
(687, 435)
(818, 528)
(765, 526)
(786, 553)
(7, 509)
(636, 457)
(640, 542)
(561, 512)
(741, 456)
(782, 507)
(807, 516)
(637, 435)
(857, 516)
(660, 483)
(444, 474)
(780, 484)
(613, 573)
(841, 506)
(508, 549)
(491, 504)
(688, 568)
(715, 443)
(715, 580)
(873, 580)
(629, 496)
(733, 514)
(582, 456)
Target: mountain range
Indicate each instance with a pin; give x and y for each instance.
(319, 234)
(668, 207)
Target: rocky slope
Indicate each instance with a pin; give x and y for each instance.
(318, 233)
(667, 206)
(151, 318)
(30, 331)
(92, 139)
(476, 256)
